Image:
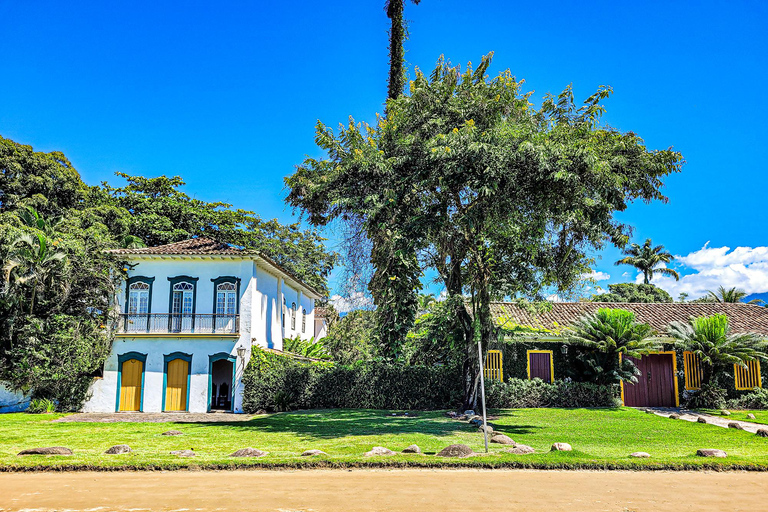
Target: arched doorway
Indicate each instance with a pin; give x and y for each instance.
(221, 382)
(130, 378)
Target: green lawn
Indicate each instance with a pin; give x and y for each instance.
(601, 438)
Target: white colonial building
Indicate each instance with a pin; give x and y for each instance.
(189, 314)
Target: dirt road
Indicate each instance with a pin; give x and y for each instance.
(380, 490)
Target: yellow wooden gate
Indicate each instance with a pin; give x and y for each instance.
(130, 385)
(494, 367)
(176, 385)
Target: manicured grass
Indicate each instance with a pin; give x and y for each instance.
(761, 416)
(601, 438)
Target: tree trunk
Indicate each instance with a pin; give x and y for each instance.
(396, 51)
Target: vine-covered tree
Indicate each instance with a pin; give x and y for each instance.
(646, 258)
(499, 197)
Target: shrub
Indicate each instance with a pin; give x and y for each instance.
(519, 393)
(708, 397)
(41, 406)
(276, 382)
(756, 399)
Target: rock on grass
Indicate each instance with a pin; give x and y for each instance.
(313, 453)
(640, 455)
(50, 450)
(520, 449)
(735, 425)
(709, 452)
(118, 449)
(412, 449)
(184, 453)
(379, 451)
(173, 433)
(502, 439)
(701, 419)
(761, 432)
(456, 450)
(561, 447)
(248, 452)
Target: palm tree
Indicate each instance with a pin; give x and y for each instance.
(425, 302)
(710, 339)
(35, 262)
(647, 258)
(611, 333)
(731, 295)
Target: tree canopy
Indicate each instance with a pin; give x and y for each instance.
(647, 259)
(631, 292)
(499, 197)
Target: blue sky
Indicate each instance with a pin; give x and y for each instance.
(227, 95)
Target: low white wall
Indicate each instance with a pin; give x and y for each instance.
(12, 401)
(104, 392)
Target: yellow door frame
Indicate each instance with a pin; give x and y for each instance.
(551, 362)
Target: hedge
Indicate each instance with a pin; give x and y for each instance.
(519, 393)
(277, 382)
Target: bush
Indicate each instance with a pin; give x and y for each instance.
(519, 393)
(276, 382)
(41, 406)
(708, 397)
(756, 399)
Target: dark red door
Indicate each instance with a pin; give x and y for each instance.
(541, 366)
(655, 385)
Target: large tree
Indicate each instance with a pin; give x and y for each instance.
(499, 197)
(631, 292)
(646, 258)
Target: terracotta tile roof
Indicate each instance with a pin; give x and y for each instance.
(208, 247)
(193, 246)
(742, 317)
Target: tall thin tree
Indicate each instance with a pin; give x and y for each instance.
(646, 258)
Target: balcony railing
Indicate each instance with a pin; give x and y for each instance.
(165, 323)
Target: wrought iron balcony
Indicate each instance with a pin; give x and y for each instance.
(165, 323)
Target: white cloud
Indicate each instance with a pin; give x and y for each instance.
(744, 267)
(554, 298)
(597, 275)
(356, 300)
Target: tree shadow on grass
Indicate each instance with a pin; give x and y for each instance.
(333, 423)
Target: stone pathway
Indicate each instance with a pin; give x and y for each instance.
(153, 417)
(693, 416)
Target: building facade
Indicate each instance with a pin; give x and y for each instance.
(189, 314)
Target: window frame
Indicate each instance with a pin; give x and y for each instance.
(293, 316)
(173, 281)
(139, 279)
(225, 279)
(551, 363)
(736, 368)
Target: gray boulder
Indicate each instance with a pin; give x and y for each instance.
(379, 451)
(502, 439)
(701, 419)
(469, 412)
(477, 423)
(520, 449)
(412, 449)
(248, 452)
(173, 433)
(640, 455)
(183, 453)
(561, 447)
(313, 453)
(725, 413)
(486, 428)
(735, 425)
(761, 432)
(708, 452)
(118, 449)
(456, 450)
(50, 450)
(750, 416)
(674, 416)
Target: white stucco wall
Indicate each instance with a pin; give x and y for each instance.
(104, 392)
(12, 401)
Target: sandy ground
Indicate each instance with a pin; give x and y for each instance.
(381, 490)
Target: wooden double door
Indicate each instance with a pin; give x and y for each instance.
(655, 385)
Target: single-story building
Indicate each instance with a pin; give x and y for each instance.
(536, 346)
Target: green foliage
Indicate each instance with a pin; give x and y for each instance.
(498, 197)
(708, 397)
(727, 295)
(41, 406)
(610, 335)
(756, 399)
(711, 340)
(631, 292)
(647, 258)
(351, 338)
(274, 382)
(520, 393)
(306, 348)
(436, 338)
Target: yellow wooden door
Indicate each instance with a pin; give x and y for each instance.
(176, 385)
(130, 385)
